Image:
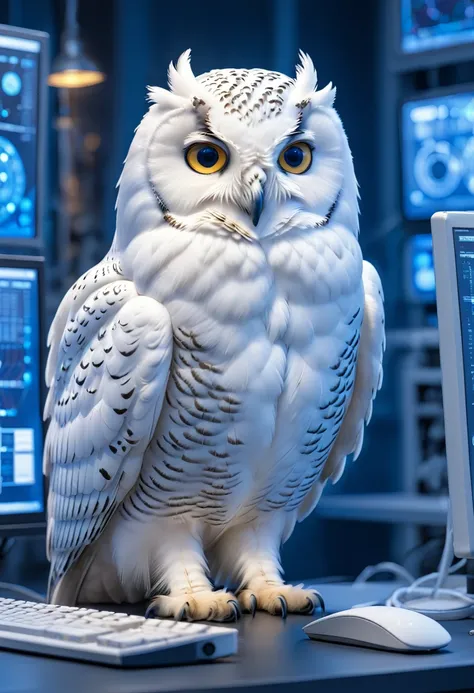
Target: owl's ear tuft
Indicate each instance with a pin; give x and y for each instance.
(305, 82)
(163, 98)
(306, 76)
(183, 83)
(305, 88)
(325, 96)
(181, 78)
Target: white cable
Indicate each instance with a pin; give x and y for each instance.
(22, 591)
(385, 567)
(441, 604)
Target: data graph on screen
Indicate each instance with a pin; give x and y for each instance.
(464, 257)
(21, 489)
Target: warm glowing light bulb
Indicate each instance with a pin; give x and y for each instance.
(73, 79)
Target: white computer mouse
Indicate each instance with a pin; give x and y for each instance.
(382, 627)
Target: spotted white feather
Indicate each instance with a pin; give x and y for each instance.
(104, 400)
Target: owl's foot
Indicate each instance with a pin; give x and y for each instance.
(196, 606)
(280, 600)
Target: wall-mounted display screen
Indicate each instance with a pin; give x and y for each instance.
(438, 154)
(19, 110)
(428, 25)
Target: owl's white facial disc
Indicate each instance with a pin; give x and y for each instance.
(252, 153)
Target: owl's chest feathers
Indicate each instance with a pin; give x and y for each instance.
(284, 283)
(257, 332)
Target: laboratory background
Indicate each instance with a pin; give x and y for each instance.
(404, 76)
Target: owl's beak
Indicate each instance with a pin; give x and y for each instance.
(258, 206)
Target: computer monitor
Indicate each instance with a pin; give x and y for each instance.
(22, 498)
(437, 152)
(453, 251)
(419, 277)
(431, 32)
(23, 93)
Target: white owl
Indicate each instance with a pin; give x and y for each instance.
(216, 368)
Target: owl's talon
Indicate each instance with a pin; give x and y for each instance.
(236, 610)
(320, 599)
(150, 612)
(311, 606)
(284, 607)
(253, 605)
(183, 614)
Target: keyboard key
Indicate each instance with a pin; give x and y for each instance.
(86, 612)
(14, 626)
(127, 639)
(156, 637)
(31, 628)
(75, 634)
(67, 609)
(194, 628)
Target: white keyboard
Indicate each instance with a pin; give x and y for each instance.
(107, 637)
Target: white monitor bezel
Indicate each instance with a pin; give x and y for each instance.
(454, 393)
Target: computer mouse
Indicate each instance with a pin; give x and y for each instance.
(381, 627)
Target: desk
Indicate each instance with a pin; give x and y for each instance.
(275, 656)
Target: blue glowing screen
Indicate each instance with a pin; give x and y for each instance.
(421, 268)
(438, 155)
(430, 24)
(464, 258)
(21, 481)
(19, 86)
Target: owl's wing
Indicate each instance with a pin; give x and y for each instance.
(107, 373)
(368, 381)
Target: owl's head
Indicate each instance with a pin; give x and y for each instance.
(251, 153)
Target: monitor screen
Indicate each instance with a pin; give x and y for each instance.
(432, 24)
(421, 277)
(21, 480)
(19, 109)
(464, 258)
(438, 154)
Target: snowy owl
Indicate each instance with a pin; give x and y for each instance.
(212, 373)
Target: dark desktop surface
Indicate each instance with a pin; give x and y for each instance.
(274, 655)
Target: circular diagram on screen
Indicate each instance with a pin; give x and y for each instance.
(11, 83)
(12, 179)
(438, 170)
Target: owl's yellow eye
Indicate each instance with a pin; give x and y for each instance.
(296, 158)
(206, 157)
